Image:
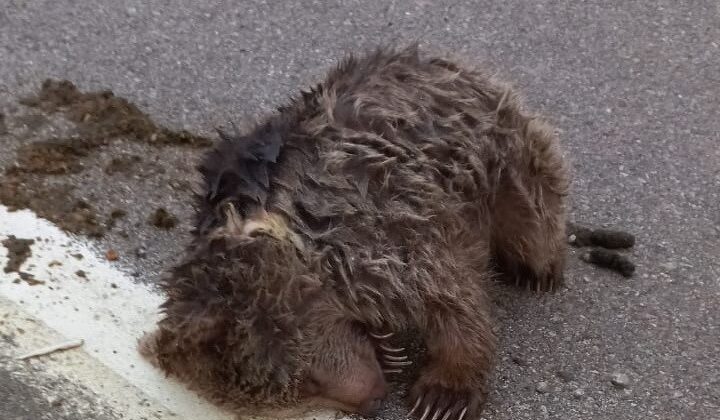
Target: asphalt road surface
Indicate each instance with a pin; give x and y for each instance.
(633, 87)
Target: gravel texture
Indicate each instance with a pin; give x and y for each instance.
(634, 90)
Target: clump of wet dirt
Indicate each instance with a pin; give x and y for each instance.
(162, 219)
(55, 203)
(30, 279)
(18, 250)
(115, 215)
(102, 114)
(54, 156)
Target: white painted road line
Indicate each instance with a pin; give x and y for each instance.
(105, 308)
(86, 379)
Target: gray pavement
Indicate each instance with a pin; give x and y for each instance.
(633, 87)
(31, 398)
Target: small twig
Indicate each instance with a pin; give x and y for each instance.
(52, 349)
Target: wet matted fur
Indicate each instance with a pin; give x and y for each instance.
(386, 198)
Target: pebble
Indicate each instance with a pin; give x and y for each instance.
(668, 266)
(620, 380)
(112, 255)
(565, 375)
(578, 393)
(519, 360)
(141, 252)
(542, 387)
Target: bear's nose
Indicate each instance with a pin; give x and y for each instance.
(370, 407)
(374, 400)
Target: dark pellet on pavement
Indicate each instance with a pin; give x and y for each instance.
(610, 259)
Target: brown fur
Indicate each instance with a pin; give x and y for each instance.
(384, 199)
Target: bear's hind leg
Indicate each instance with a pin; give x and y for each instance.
(528, 218)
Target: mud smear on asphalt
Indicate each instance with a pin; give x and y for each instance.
(122, 164)
(54, 202)
(37, 181)
(102, 116)
(33, 122)
(18, 251)
(54, 156)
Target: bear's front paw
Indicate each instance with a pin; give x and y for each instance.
(440, 397)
